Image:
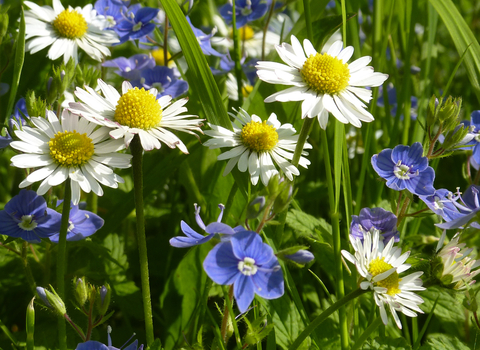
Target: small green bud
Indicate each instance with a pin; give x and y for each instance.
(52, 300)
(283, 198)
(455, 137)
(104, 301)
(36, 107)
(81, 292)
(255, 208)
(3, 25)
(431, 110)
(30, 324)
(257, 330)
(470, 303)
(272, 187)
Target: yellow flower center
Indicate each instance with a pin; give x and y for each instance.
(259, 137)
(138, 109)
(69, 148)
(246, 90)
(246, 33)
(325, 74)
(159, 57)
(379, 266)
(70, 24)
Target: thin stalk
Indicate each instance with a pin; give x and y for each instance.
(344, 23)
(62, 262)
(165, 42)
(137, 160)
(324, 315)
(308, 19)
(302, 138)
(265, 28)
(366, 333)
(28, 271)
(237, 55)
(76, 328)
(228, 301)
(226, 315)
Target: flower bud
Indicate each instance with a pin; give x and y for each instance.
(104, 301)
(255, 207)
(81, 292)
(297, 255)
(52, 300)
(284, 197)
(456, 137)
(35, 106)
(257, 331)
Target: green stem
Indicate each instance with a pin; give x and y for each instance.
(308, 19)
(228, 301)
(137, 153)
(265, 28)
(28, 271)
(226, 316)
(302, 138)
(62, 262)
(324, 315)
(367, 333)
(237, 55)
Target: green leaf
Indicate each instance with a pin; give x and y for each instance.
(462, 37)
(181, 297)
(440, 341)
(199, 74)
(448, 308)
(18, 65)
(387, 344)
(306, 224)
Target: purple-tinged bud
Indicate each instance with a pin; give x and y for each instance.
(301, 257)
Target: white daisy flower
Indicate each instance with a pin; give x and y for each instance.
(453, 266)
(70, 148)
(324, 82)
(137, 111)
(257, 145)
(380, 266)
(66, 30)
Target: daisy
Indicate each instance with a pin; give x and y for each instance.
(256, 145)
(324, 82)
(380, 267)
(67, 29)
(69, 149)
(137, 111)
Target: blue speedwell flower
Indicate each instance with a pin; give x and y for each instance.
(137, 23)
(247, 263)
(245, 11)
(26, 216)
(468, 206)
(204, 40)
(474, 135)
(130, 68)
(163, 79)
(194, 238)
(82, 223)
(377, 219)
(405, 168)
(443, 203)
(95, 345)
(112, 11)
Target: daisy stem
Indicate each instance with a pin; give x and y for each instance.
(237, 55)
(324, 315)
(62, 262)
(358, 344)
(137, 159)
(302, 138)
(265, 28)
(308, 18)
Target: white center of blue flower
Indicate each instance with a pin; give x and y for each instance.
(71, 226)
(247, 267)
(111, 21)
(246, 11)
(158, 86)
(27, 223)
(137, 26)
(402, 171)
(438, 204)
(477, 137)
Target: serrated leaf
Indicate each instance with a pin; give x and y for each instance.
(440, 341)
(306, 224)
(387, 344)
(448, 308)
